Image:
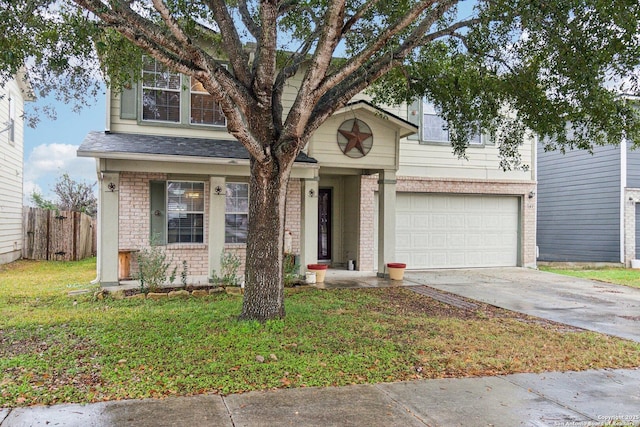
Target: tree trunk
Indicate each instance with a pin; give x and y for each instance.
(264, 281)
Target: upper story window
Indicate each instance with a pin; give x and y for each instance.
(204, 109)
(173, 98)
(433, 128)
(160, 92)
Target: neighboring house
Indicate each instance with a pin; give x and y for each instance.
(12, 97)
(587, 205)
(169, 169)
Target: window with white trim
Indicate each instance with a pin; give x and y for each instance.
(434, 129)
(165, 94)
(236, 218)
(185, 212)
(160, 92)
(204, 109)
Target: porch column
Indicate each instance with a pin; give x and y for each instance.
(108, 218)
(386, 220)
(309, 223)
(217, 203)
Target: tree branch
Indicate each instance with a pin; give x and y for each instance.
(375, 47)
(231, 41)
(356, 16)
(248, 20)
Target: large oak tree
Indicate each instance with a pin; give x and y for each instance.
(556, 67)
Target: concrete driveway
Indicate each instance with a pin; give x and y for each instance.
(588, 304)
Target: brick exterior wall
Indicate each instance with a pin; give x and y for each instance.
(369, 185)
(134, 225)
(631, 200)
(294, 213)
(135, 217)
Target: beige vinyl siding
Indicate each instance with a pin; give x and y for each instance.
(120, 125)
(324, 146)
(438, 161)
(11, 173)
(431, 160)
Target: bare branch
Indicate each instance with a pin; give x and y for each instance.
(265, 61)
(248, 20)
(231, 41)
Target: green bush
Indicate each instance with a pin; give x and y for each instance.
(229, 266)
(153, 267)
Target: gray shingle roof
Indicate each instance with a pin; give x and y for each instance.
(96, 143)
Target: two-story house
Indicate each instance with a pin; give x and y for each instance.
(12, 97)
(373, 186)
(588, 205)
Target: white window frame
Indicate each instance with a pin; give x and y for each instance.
(205, 93)
(236, 212)
(428, 110)
(185, 212)
(177, 90)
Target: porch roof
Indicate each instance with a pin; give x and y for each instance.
(106, 144)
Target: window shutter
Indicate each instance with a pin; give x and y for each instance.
(158, 194)
(414, 115)
(129, 102)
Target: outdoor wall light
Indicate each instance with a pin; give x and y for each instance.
(531, 194)
(218, 190)
(312, 193)
(111, 187)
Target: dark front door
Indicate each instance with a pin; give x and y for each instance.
(324, 224)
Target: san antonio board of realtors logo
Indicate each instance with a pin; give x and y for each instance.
(355, 138)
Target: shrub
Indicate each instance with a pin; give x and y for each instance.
(229, 266)
(153, 265)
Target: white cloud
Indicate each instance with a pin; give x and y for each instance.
(28, 188)
(47, 162)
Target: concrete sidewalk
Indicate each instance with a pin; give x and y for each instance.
(549, 399)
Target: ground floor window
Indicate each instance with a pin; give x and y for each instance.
(236, 218)
(185, 212)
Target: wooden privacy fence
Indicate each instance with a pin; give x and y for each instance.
(58, 235)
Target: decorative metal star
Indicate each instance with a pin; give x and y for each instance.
(355, 138)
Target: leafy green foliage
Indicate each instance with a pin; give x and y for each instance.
(229, 266)
(153, 268)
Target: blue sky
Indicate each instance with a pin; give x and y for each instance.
(50, 148)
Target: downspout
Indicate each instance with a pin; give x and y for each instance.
(623, 186)
(534, 178)
(107, 124)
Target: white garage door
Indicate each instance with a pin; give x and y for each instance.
(448, 231)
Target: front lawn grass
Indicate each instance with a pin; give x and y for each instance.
(615, 275)
(55, 348)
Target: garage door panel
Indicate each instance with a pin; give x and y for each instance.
(456, 231)
(404, 222)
